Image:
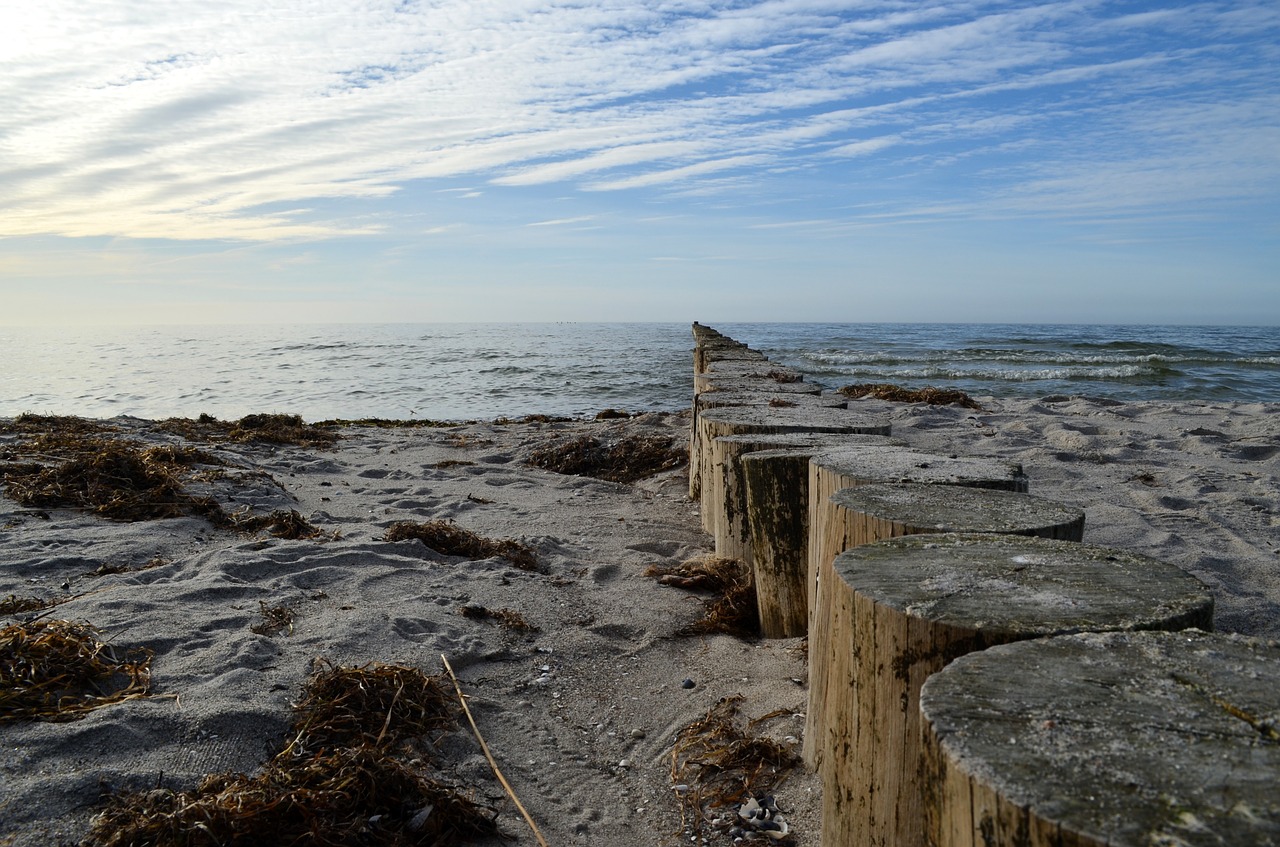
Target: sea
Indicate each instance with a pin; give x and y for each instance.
(457, 371)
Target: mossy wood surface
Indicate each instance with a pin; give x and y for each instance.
(724, 507)
(832, 531)
(911, 605)
(1120, 739)
(707, 355)
(892, 509)
(710, 391)
(775, 491)
(745, 420)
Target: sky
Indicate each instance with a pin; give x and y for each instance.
(668, 160)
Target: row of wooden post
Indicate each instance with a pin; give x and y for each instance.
(898, 563)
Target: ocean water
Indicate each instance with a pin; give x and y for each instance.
(484, 371)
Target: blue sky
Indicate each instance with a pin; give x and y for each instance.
(360, 160)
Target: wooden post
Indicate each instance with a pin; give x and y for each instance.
(744, 391)
(725, 516)
(1143, 738)
(915, 603)
(705, 357)
(831, 532)
(742, 420)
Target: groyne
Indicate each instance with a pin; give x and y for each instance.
(930, 587)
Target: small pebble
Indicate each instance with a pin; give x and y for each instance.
(688, 683)
(625, 763)
(637, 733)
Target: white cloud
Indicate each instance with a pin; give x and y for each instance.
(198, 120)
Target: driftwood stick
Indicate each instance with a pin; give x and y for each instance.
(485, 747)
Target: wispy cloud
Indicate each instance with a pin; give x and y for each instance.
(219, 121)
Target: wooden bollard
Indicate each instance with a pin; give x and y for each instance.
(765, 375)
(704, 357)
(776, 500)
(892, 509)
(832, 530)
(1121, 739)
(742, 420)
(726, 493)
(744, 391)
(910, 605)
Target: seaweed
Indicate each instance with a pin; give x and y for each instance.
(507, 618)
(121, 480)
(732, 609)
(268, 428)
(375, 704)
(624, 460)
(275, 619)
(59, 670)
(452, 540)
(113, 479)
(289, 525)
(15, 605)
(718, 763)
(348, 774)
(898, 394)
(31, 424)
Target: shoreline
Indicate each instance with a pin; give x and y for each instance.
(1192, 484)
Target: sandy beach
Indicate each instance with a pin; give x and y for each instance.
(581, 709)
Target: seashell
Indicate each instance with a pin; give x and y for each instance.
(775, 829)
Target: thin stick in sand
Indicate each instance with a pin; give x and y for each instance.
(485, 747)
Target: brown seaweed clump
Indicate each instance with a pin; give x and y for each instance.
(268, 428)
(353, 771)
(113, 479)
(731, 608)
(898, 394)
(625, 460)
(275, 619)
(448, 538)
(58, 670)
(289, 525)
(721, 763)
(121, 480)
(506, 618)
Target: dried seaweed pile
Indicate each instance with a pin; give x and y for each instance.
(452, 540)
(898, 394)
(275, 619)
(732, 606)
(354, 770)
(271, 429)
(58, 670)
(506, 618)
(86, 465)
(624, 460)
(718, 763)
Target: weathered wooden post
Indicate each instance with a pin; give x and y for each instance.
(718, 389)
(726, 491)
(833, 530)
(1118, 739)
(910, 605)
(742, 420)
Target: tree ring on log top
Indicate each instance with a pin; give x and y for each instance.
(1141, 738)
(911, 509)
